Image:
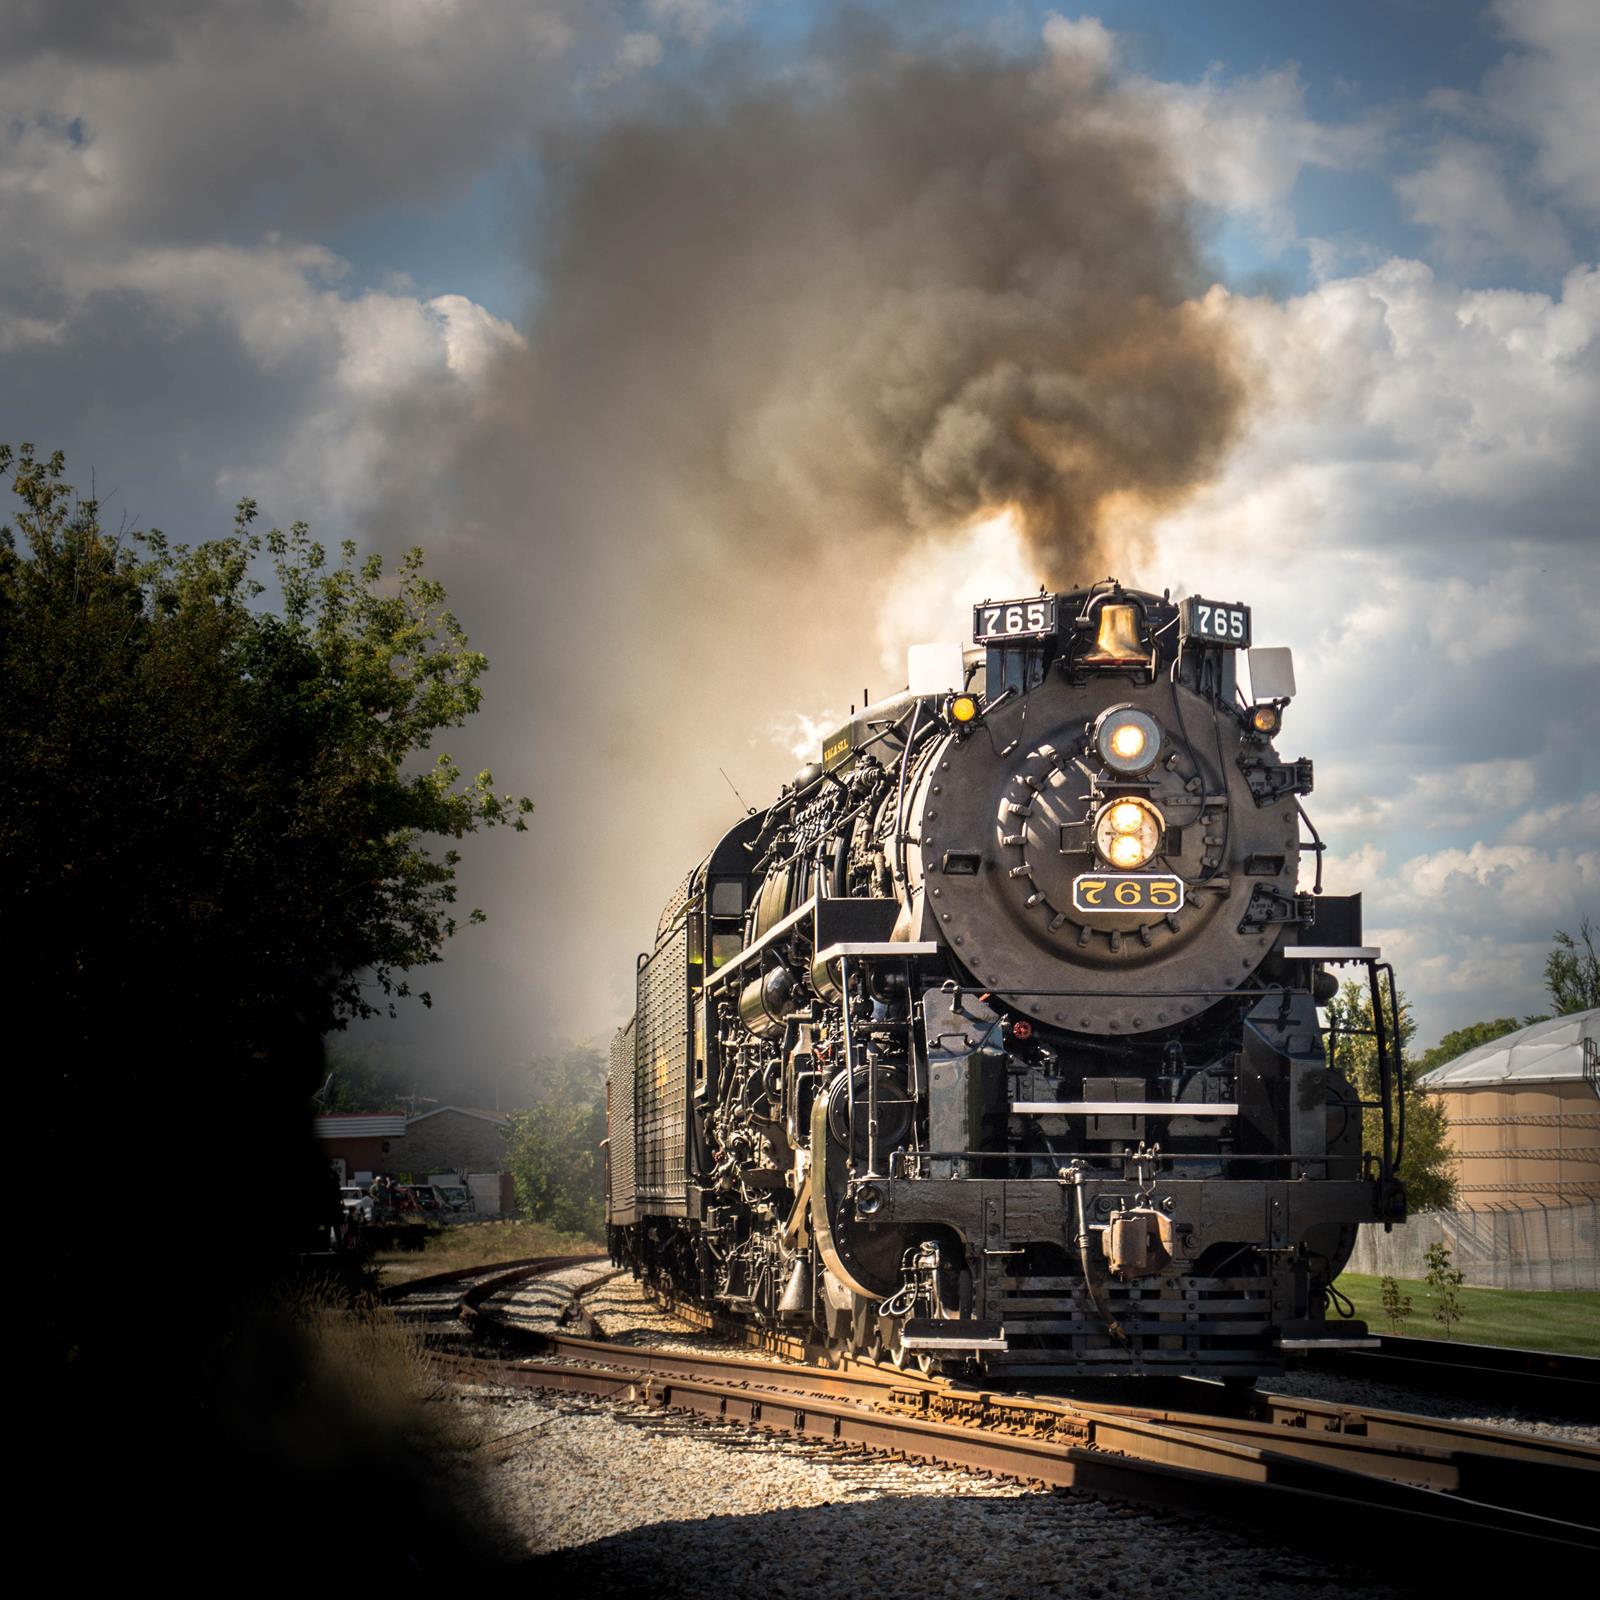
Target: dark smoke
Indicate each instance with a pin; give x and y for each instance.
(787, 330)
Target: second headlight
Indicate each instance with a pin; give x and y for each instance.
(1127, 833)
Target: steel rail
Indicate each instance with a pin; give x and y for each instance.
(1562, 1385)
(1476, 1494)
(1549, 1478)
(1126, 1458)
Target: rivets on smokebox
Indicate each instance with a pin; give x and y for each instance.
(930, 814)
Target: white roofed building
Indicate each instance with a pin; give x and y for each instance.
(1524, 1114)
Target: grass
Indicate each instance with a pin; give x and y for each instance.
(1528, 1319)
(479, 1244)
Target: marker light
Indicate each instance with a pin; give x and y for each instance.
(1129, 741)
(1266, 719)
(1128, 832)
(963, 708)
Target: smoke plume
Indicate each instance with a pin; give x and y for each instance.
(787, 333)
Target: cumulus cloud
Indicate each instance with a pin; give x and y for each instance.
(1545, 88)
(1464, 196)
(1514, 175)
(190, 121)
(1413, 513)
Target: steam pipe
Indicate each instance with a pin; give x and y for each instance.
(1074, 1176)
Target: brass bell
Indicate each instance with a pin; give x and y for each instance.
(1118, 643)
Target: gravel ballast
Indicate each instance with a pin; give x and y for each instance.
(599, 1497)
(614, 1499)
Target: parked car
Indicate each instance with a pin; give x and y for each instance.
(356, 1200)
(457, 1198)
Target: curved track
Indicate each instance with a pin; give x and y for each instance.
(1448, 1493)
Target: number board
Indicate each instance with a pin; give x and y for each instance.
(1014, 619)
(1214, 623)
(1127, 891)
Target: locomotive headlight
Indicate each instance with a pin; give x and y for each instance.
(1129, 741)
(1128, 832)
(963, 708)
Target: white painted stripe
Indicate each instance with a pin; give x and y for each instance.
(1120, 1108)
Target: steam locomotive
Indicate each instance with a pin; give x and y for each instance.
(993, 1043)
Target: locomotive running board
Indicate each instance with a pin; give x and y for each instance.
(1333, 953)
(933, 1333)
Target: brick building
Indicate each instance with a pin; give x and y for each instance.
(455, 1139)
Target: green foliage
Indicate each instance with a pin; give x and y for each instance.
(1396, 1306)
(208, 818)
(1445, 1281)
(556, 1166)
(1425, 1164)
(1572, 972)
(554, 1151)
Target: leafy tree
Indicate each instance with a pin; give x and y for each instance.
(1426, 1161)
(1461, 1040)
(556, 1164)
(209, 820)
(360, 1079)
(554, 1151)
(1572, 972)
(1396, 1306)
(1445, 1281)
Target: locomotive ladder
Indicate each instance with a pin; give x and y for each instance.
(1391, 1101)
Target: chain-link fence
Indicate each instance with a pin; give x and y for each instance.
(1526, 1247)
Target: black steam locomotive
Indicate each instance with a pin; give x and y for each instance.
(995, 1038)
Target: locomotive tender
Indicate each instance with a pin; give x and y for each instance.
(994, 1040)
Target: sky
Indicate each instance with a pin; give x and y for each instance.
(625, 312)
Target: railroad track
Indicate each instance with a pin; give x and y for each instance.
(1430, 1493)
(1537, 1380)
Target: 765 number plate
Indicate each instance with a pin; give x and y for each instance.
(1014, 619)
(1127, 891)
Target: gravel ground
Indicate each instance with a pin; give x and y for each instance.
(594, 1497)
(539, 1302)
(602, 1499)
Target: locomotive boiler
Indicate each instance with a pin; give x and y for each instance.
(994, 1040)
